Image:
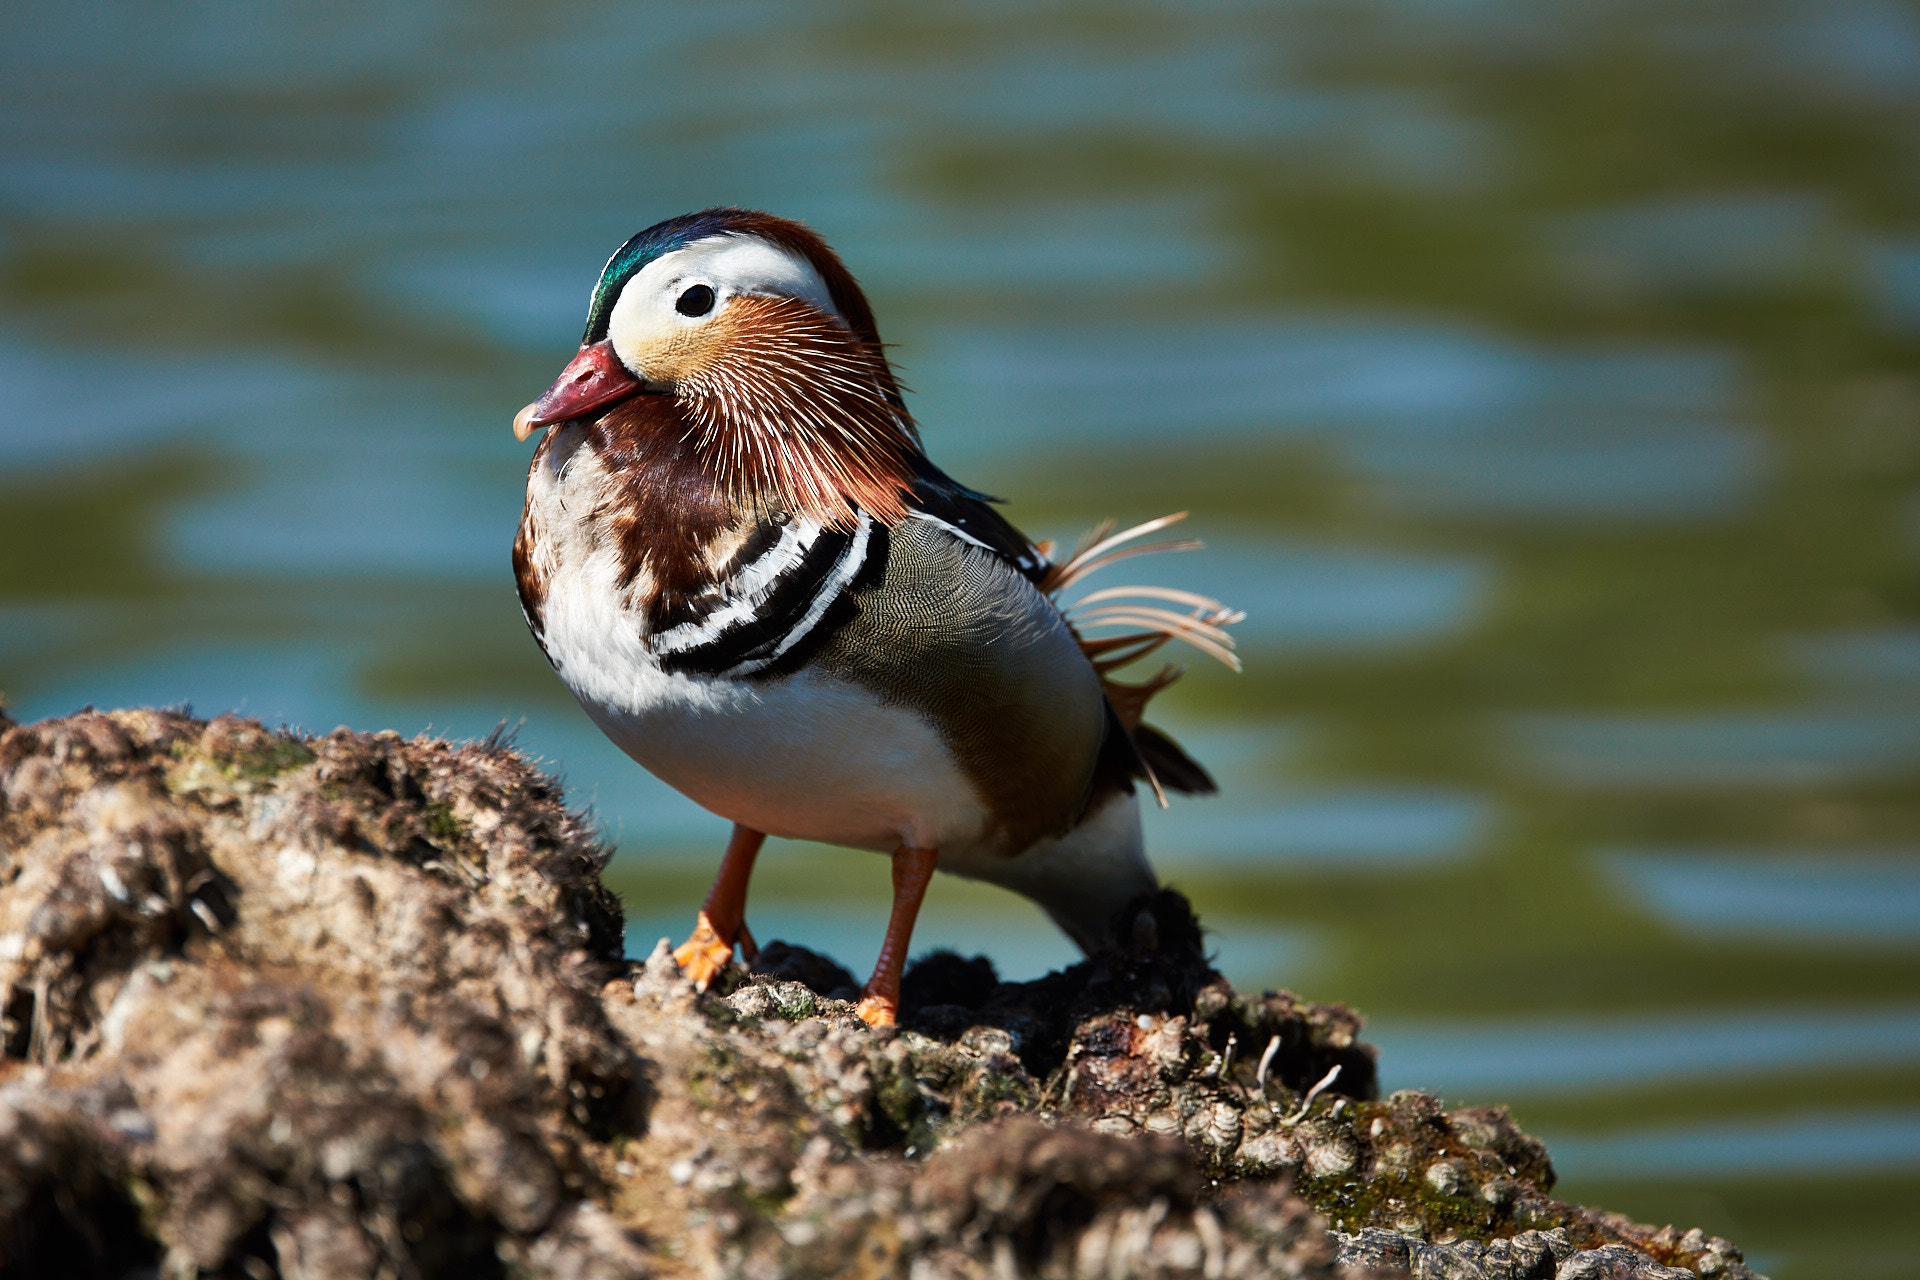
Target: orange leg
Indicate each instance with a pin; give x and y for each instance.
(723, 919)
(912, 868)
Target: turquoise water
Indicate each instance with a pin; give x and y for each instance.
(1545, 379)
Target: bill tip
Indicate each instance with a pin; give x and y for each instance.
(523, 422)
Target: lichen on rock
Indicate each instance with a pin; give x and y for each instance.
(356, 1005)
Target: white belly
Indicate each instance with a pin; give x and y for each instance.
(808, 757)
(815, 758)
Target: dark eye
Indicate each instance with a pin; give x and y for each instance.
(696, 301)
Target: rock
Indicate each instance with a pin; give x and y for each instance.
(353, 1005)
(1376, 1252)
(1616, 1262)
(1527, 1256)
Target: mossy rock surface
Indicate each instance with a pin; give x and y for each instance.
(356, 1005)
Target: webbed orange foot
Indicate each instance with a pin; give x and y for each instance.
(703, 955)
(876, 1010)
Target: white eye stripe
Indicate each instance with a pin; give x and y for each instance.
(729, 265)
(646, 312)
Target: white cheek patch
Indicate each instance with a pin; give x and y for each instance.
(644, 317)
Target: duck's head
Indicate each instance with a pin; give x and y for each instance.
(762, 337)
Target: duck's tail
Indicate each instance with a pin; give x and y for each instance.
(1149, 625)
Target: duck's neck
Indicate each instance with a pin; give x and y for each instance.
(668, 505)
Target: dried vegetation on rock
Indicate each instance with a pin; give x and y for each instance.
(353, 1005)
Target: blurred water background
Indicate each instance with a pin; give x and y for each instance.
(1544, 376)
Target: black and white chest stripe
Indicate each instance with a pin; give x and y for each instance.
(786, 590)
(1027, 560)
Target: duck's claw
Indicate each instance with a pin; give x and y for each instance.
(876, 1010)
(703, 955)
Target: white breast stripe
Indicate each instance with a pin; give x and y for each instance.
(851, 562)
(746, 591)
(1025, 561)
(953, 529)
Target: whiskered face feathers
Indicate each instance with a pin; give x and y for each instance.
(765, 341)
(790, 406)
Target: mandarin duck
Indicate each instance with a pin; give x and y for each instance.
(738, 558)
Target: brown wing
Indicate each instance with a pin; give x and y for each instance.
(955, 631)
